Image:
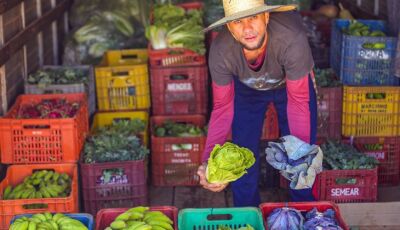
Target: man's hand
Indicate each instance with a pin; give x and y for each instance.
(203, 181)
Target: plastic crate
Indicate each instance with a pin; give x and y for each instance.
(321, 56)
(361, 185)
(359, 66)
(365, 115)
(122, 81)
(177, 174)
(303, 207)
(179, 90)
(106, 216)
(88, 88)
(130, 190)
(28, 141)
(173, 57)
(16, 175)
(211, 218)
(270, 129)
(387, 151)
(106, 118)
(84, 218)
(329, 112)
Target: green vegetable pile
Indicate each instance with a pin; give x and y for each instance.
(228, 163)
(117, 142)
(248, 227)
(340, 156)
(356, 28)
(172, 129)
(173, 27)
(47, 77)
(326, 78)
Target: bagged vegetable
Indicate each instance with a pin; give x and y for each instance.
(285, 218)
(228, 163)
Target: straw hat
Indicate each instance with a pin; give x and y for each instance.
(237, 9)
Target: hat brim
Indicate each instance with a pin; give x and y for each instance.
(248, 13)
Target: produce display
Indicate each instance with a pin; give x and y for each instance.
(173, 27)
(47, 77)
(117, 142)
(47, 221)
(248, 227)
(290, 218)
(49, 108)
(228, 163)
(141, 218)
(326, 78)
(338, 155)
(41, 184)
(173, 129)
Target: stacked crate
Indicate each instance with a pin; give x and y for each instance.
(122, 88)
(179, 90)
(31, 144)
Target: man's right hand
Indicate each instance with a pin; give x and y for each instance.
(203, 181)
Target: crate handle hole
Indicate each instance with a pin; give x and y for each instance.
(54, 91)
(129, 56)
(213, 217)
(120, 73)
(35, 206)
(36, 126)
(346, 180)
(118, 119)
(176, 77)
(177, 147)
(381, 95)
(112, 176)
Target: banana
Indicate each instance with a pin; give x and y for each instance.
(24, 225)
(161, 224)
(141, 209)
(134, 224)
(40, 216)
(7, 192)
(19, 194)
(19, 187)
(144, 227)
(48, 175)
(48, 215)
(56, 175)
(32, 225)
(45, 193)
(136, 216)
(36, 181)
(57, 216)
(118, 224)
(27, 193)
(65, 176)
(155, 227)
(124, 216)
(160, 218)
(53, 224)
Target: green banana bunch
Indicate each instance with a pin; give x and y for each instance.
(41, 184)
(47, 221)
(140, 218)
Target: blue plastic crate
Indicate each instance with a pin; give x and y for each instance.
(86, 219)
(359, 66)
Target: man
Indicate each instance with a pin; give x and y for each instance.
(261, 57)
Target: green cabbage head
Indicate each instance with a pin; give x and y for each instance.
(228, 163)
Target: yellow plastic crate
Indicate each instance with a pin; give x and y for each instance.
(106, 118)
(371, 111)
(122, 80)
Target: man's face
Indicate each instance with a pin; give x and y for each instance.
(250, 31)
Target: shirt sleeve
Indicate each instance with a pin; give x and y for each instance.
(297, 58)
(219, 66)
(221, 117)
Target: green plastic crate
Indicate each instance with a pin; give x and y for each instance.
(211, 218)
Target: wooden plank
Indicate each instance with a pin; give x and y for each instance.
(3, 90)
(8, 4)
(21, 38)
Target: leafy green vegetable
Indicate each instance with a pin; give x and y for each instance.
(116, 143)
(174, 28)
(326, 78)
(45, 77)
(248, 227)
(172, 129)
(228, 163)
(338, 155)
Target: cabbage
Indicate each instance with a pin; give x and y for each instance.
(228, 163)
(285, 218)
(316, 220)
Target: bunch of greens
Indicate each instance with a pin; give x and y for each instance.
(338, 155)
(173, 27)
(117, 142)
(45, 77)
(326, 78)
(228, 163)
(172, 129)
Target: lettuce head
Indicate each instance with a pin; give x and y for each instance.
(228, 163)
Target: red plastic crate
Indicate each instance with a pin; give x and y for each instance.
(175, 174)
(267, 208)
(172, 166)
(329, 113)
(365, 188)
(16, 175)
(28, 141)
(270, 129)
(130, 191)
(387, 151)
(179, 90)
(106, 216)
(177, 56)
